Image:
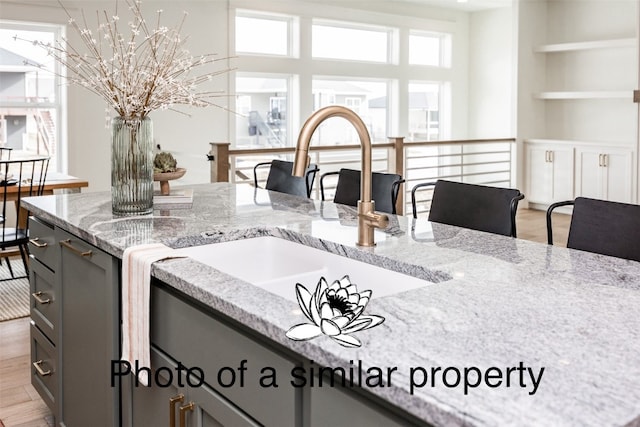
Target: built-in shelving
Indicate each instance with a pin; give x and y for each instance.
(585, 45)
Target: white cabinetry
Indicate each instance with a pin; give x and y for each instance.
(604, 173)
(579, 70)
(549, 172)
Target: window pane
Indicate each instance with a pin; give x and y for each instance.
(26, 71)
(424, 111)
(367, 99)
(335, 42)
(261, 103)
(29, 117)
(424, 50)
(262, 35)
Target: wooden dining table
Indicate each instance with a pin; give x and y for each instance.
(55, 181)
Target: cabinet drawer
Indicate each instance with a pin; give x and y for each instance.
(196, 339)
(41, 242)
(43, 300)
(44, 376)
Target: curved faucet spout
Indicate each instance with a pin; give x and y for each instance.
(367, 218)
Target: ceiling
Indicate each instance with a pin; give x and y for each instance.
(467, 6)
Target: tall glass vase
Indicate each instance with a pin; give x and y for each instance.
(132, 166)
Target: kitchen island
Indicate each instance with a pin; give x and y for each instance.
(554, 333)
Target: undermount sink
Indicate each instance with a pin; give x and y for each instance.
(276, 265)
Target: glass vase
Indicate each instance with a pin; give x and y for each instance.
(131, 166)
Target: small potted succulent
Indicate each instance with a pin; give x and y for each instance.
(165, 169)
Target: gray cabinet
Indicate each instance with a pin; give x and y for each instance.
(75, 327)
(199, 340)
(75, 337)
(89, 338)
(45, 313)
(172, 402)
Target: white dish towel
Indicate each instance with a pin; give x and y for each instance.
(136, 284)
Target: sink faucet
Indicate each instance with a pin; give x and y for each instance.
(368, 219)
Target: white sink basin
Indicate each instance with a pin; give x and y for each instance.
(277, 265)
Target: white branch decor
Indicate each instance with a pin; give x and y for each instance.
(146, 68)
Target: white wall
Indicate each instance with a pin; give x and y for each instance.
(188, 137)
(490, 74)
(207, 25)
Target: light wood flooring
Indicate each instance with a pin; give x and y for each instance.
(20, 405)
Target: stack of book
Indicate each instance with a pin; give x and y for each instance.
(177, 197)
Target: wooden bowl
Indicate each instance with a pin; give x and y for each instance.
(165, 177)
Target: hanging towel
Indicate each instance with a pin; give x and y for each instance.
(136, 283)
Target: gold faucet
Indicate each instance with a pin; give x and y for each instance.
(368, 220)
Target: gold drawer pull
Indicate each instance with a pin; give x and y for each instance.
(183, 411)
(36, 242)
(67, 244)
(38, 297)
(41, 372)
(172, 408)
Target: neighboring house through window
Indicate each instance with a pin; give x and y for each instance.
(31, 105)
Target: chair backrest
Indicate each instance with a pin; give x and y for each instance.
(479, 207)
(385, 188)
(281, 180)
(5, 153)
(607, 228)
(19, 179)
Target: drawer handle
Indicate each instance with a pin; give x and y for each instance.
(36, 242)
(41, 371)
(172, 408)
(183, 413)
(67, 244)
(38, 297)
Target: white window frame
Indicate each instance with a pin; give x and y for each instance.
(293, 24)
(60, 104)
(396, 71)
(391, 36)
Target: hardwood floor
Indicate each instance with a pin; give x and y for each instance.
(20, 405)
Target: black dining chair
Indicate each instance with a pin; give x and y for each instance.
(19, 179)
(478, 207)
(5, 153)
(385, 188)
(280, 178)
(602, 227)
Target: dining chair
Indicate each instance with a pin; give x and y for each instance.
(602, 227)
(280, 178)
(19, 179)
(385, 188)
(478, 207)
(5, 153)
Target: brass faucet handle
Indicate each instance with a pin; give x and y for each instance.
(376, 220)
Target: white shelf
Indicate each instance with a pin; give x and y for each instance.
(588, 45)
(601, 94)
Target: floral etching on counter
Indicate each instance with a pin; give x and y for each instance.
(334, 311)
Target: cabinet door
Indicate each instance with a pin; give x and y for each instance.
(604, 173)
(549, 173)
(151, 406)
(334, 406)
(89, 333)
(563, 173)
(589, 177)
(538, 174)
(210, 409)
(200, 406)
(618, 166)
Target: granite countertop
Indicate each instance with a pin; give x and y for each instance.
(495, 302)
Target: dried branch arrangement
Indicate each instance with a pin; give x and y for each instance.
(145, 69)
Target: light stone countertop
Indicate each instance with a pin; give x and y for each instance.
(496, 302)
